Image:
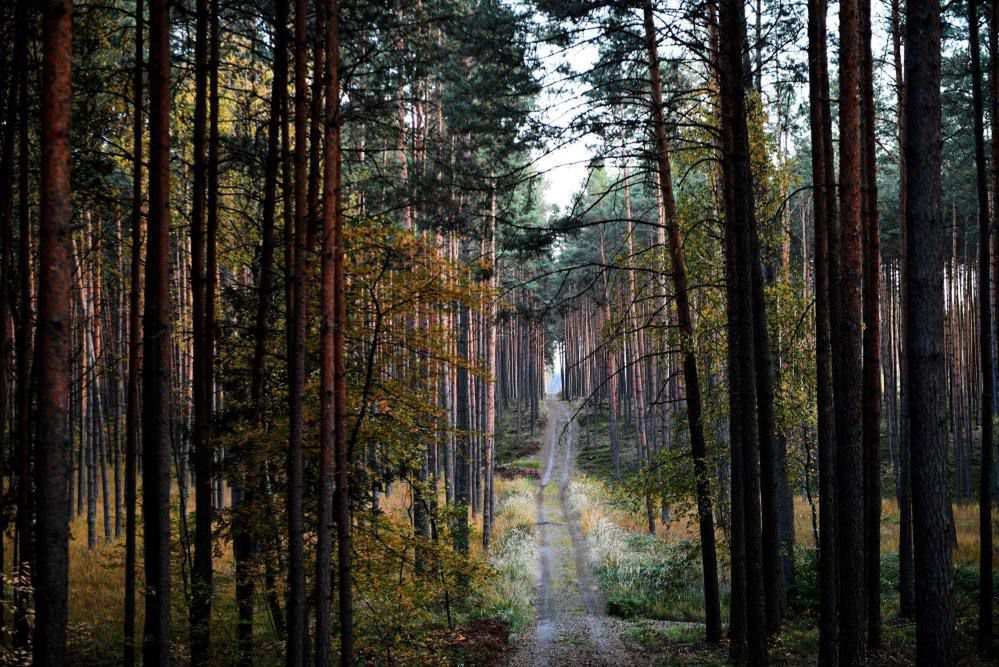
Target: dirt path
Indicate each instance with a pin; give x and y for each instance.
(570, 625)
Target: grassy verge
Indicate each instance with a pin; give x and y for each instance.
(641, 576)
(513, 557)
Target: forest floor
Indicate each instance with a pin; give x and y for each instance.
(570, 624)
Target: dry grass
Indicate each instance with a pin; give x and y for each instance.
(965, 525)
(397, 503)
(97, 590)
(513, 555)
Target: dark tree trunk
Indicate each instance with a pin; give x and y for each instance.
(7, 297)
(984, 329)
(773, 578)
(22, 343)
(295, 318)
(342, 464)
(906, 584)
(848, 349)
(327, 370)
(824, 198)
(335, 316)
(933, 539)
(709, 562)
(245, 540)
(156, 350)
(738, 639)
(740, 220)
(871, 394)
(51, 575)
(201, 572)
(134, 344)
(211, 242)
(317, 119)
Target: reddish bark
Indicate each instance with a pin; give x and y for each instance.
(51, 575)
(156, 369)
(679, 276)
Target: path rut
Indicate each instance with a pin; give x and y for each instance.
(570, 625)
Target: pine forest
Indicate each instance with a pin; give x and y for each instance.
(501, 333)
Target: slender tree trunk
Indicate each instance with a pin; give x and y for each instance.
(462, 424)
(211, 241)
(334, 244)
(296, 319)
(740, 220)
(738, 621)
(773, 579)
(22, 350)
(490, 388)
(327, 371)
(201, 573)
(849, 351)
(985, 588)
(134, 344)
(924, 336)
(636, 344)
(7, 162)
(906, 574)
(615, 450)
(156, 350)
(709, 562)
(51, 576)
(245, 538)
(871, 392)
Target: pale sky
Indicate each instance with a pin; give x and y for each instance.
(563, 165)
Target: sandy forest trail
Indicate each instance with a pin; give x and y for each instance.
(570, 625)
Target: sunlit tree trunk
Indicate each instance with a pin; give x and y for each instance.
(489, 408)
(612, 379)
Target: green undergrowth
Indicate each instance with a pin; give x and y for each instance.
(641, 576)
(594, 450)
(516, 453)
(654, 580)
(680, 644)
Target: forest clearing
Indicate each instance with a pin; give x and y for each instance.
(499, 332)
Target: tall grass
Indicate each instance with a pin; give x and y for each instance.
(513, 557)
